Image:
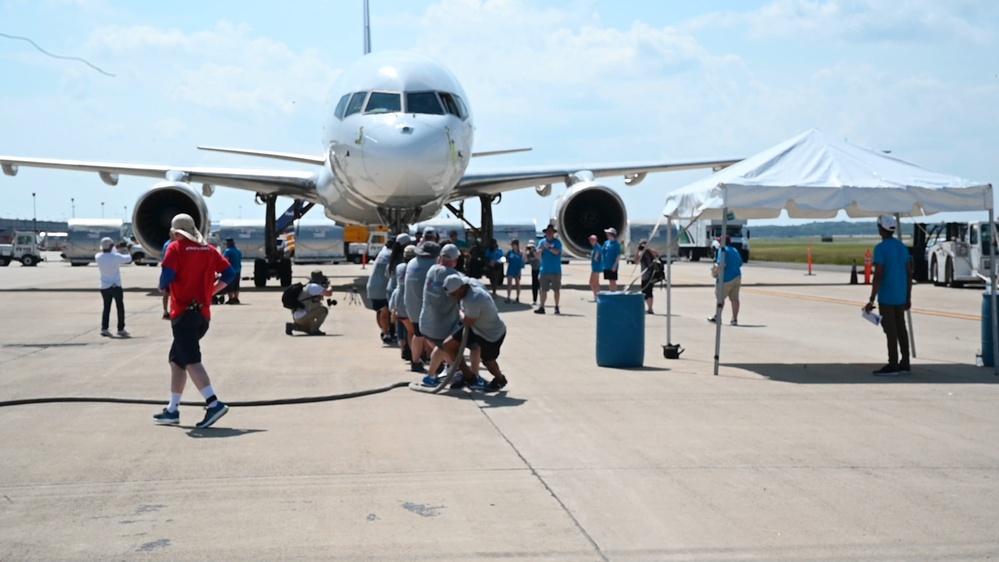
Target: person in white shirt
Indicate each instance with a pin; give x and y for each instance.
(311, 315)
(109, 264)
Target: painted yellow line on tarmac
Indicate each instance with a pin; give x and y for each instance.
(857, 304)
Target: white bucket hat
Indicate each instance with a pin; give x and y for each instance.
(184, 225)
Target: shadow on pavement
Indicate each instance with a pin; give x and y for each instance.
(220, 432)
(853, 373)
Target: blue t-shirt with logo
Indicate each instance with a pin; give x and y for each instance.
(235, 258)
(612, 251)
(892, 255)
(733, 264)
(551, 263)
(596, 259)
(514, 263)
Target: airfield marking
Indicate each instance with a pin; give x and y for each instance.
(855, 303)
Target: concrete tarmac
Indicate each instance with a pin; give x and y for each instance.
(795, 452)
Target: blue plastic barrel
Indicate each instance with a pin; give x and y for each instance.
(987, 359)
(620, 329)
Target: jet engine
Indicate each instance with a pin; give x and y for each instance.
(156, 208)
(588, 208)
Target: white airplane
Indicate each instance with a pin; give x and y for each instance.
(397, 144)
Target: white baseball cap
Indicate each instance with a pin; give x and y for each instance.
(454, 282)
(106, 243)
(450, 252)
(611, 230)
(887, 222)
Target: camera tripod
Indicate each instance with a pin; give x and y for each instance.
(351, 297)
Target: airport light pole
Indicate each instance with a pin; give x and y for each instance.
(34, 215)
(102, 209)
(72, 205)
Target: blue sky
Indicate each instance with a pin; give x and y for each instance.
(579, 81)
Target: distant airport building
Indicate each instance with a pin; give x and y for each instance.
(8, 226)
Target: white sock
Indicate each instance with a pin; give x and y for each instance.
(174, 401)
(207, 393)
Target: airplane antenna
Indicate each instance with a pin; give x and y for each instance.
(367, 29)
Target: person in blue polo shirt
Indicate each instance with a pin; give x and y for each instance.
(731, 280)
(892, 286)
(551, 267)
(612, 255)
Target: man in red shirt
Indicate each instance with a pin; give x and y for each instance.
(189, 271)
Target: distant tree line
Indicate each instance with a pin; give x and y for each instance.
(814, 229)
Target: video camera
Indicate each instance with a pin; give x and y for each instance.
(319, 278)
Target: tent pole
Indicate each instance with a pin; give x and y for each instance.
(720, 283)
(669, 281)
(992, 277)
(908, 313)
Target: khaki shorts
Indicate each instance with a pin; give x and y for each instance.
(551, 281)
(730, 290)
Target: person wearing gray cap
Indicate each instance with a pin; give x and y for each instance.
(377, 290)
(439, 315)
(397, 302)
(109, 265)
(415, 282)
(487, 330)
(430, 234)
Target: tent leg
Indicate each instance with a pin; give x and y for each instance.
(908, 313)
(720, 283)
(669, 282)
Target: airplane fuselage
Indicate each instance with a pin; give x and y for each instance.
(398, 138)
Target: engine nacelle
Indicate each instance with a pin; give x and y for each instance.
(588, 208)
(156, 208)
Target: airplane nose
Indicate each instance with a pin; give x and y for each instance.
(408, 159)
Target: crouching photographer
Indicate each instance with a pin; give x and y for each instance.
(308, 312)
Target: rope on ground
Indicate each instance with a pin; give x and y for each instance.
(243, 404)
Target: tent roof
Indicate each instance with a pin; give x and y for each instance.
(814, 176)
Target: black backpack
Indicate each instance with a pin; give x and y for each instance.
(289, 299)
(658, 271)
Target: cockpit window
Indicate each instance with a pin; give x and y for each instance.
(356, 103)
(341, 106)
(461, 107)
(384, 102)
(454, 105)
(423, 102)
(449, 104)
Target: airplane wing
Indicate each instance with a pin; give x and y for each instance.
(499, 181)
(296, 184)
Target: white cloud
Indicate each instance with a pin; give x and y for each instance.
(900, 21)
(227, 67)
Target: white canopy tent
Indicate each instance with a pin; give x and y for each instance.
(815, 176)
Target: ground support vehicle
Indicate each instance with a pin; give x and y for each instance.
(23, 248)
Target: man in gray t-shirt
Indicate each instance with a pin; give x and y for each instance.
(377, 289)
(439, 317)
(416, 279)
(487, 328)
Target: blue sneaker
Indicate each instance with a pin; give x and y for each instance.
(430, 380)
(212, 415)
(167, 417)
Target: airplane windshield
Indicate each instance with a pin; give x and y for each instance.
(452, 106)
(342, 106)
(423, 102)
(356, 103)
(384, 102)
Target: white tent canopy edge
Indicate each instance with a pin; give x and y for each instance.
(815, 176)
